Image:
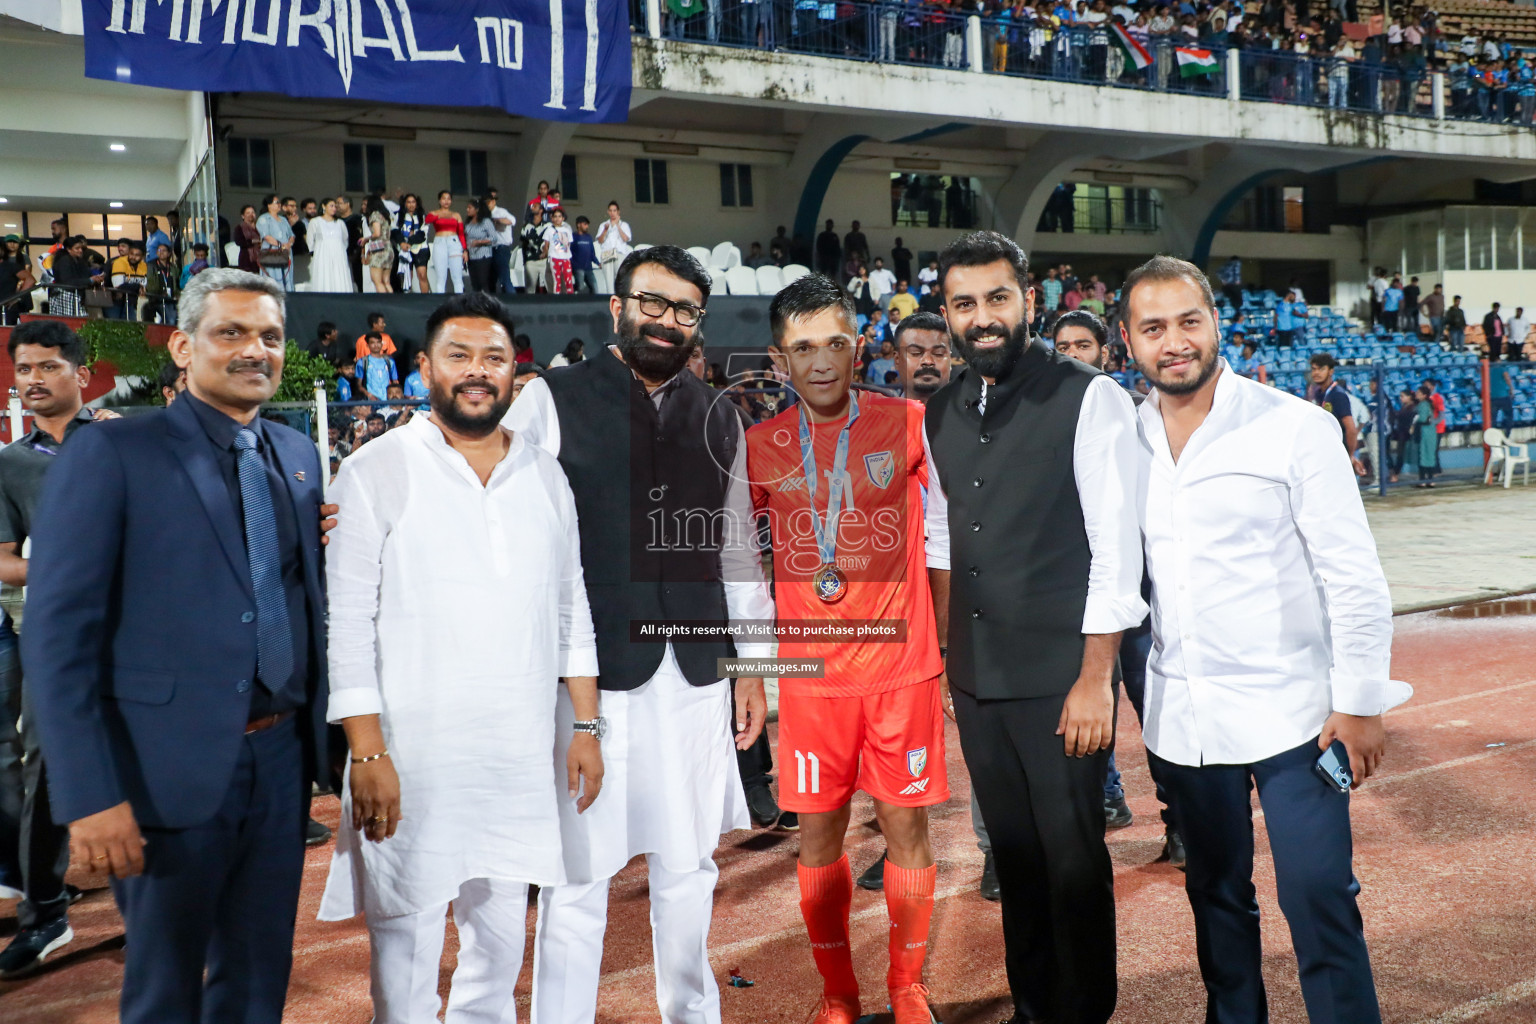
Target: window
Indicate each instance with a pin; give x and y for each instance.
(467, 173)
(735, 184)
(250, 163)
(1456, 238)
(129, 225)
(1480, 238)
(363, 167)
(570, 186)
(1506, 242)
(651, 182)
(90, 225)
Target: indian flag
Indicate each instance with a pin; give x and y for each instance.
(1136, 55)
(1194, 62)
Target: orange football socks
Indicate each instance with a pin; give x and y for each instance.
(909, 901)
(825, 895)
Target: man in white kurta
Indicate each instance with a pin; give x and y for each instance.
(458, 604)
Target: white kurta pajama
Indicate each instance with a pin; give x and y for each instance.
(458, 641)
(670, 789)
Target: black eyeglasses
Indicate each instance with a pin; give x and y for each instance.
(656, 306)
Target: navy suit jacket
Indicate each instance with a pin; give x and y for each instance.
(139, 640)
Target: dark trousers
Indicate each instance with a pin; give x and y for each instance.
(13, 787)
(1505, 405)
(482, 275)
(34, 852)
(221, 896)
(501, 256)
(1308, 824)
(1045, 817)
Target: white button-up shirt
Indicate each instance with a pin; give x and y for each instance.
(1103, 449)
(1269, 607)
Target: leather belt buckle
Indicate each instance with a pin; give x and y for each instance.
(267, 722)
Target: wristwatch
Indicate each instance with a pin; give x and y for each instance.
(596, 728)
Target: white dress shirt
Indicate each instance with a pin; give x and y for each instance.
(458, 642)
(1269, 607)
(534, 417)
(1103, 450)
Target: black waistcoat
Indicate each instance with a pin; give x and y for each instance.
(650, 489)
(1019, 553)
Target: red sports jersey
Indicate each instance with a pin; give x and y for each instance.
(879, 545)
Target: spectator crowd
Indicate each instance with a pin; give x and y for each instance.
(397, 244)
(1330, 54)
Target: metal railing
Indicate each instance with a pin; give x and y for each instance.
(1274, 76)
(919, 34)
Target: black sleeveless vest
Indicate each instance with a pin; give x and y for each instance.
(1019, 553)
(650, 489)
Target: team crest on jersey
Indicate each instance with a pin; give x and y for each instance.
(881, 467)
(917, 760)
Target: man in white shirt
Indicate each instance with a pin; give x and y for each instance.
(1379, 285)
(502, 251)
(883, 283)
(1515, 332)
(1272, 630)
(456, 589)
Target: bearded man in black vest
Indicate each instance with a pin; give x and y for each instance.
(658, 469)
(1034, 556)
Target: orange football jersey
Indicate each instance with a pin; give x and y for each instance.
(879, 547)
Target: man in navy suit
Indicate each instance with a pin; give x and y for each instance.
(175, 643)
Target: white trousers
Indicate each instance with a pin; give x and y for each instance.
(568, 947)
(447, 258)
(491, 916)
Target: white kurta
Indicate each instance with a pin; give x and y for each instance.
(671, 786)
(454, 610)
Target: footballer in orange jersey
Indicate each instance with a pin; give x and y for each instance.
(839, 477)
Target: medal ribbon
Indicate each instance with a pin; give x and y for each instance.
(826, 532)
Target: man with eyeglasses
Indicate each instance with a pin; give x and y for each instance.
(664, 509)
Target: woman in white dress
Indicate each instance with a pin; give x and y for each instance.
(328, 269)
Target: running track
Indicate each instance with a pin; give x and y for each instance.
(1445, 850)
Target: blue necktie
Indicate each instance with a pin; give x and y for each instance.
(274, 636)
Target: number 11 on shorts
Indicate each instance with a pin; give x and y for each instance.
(800, 760)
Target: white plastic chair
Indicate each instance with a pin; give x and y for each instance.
(769, 279)
(701, 254)
(717, 282)
(231, 254)
(725, 256)
(1504, 451)
(795, 272)
(741, 281)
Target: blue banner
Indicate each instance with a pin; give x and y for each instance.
(558, 60)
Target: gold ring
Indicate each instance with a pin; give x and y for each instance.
(102, 857)
(374, 821)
